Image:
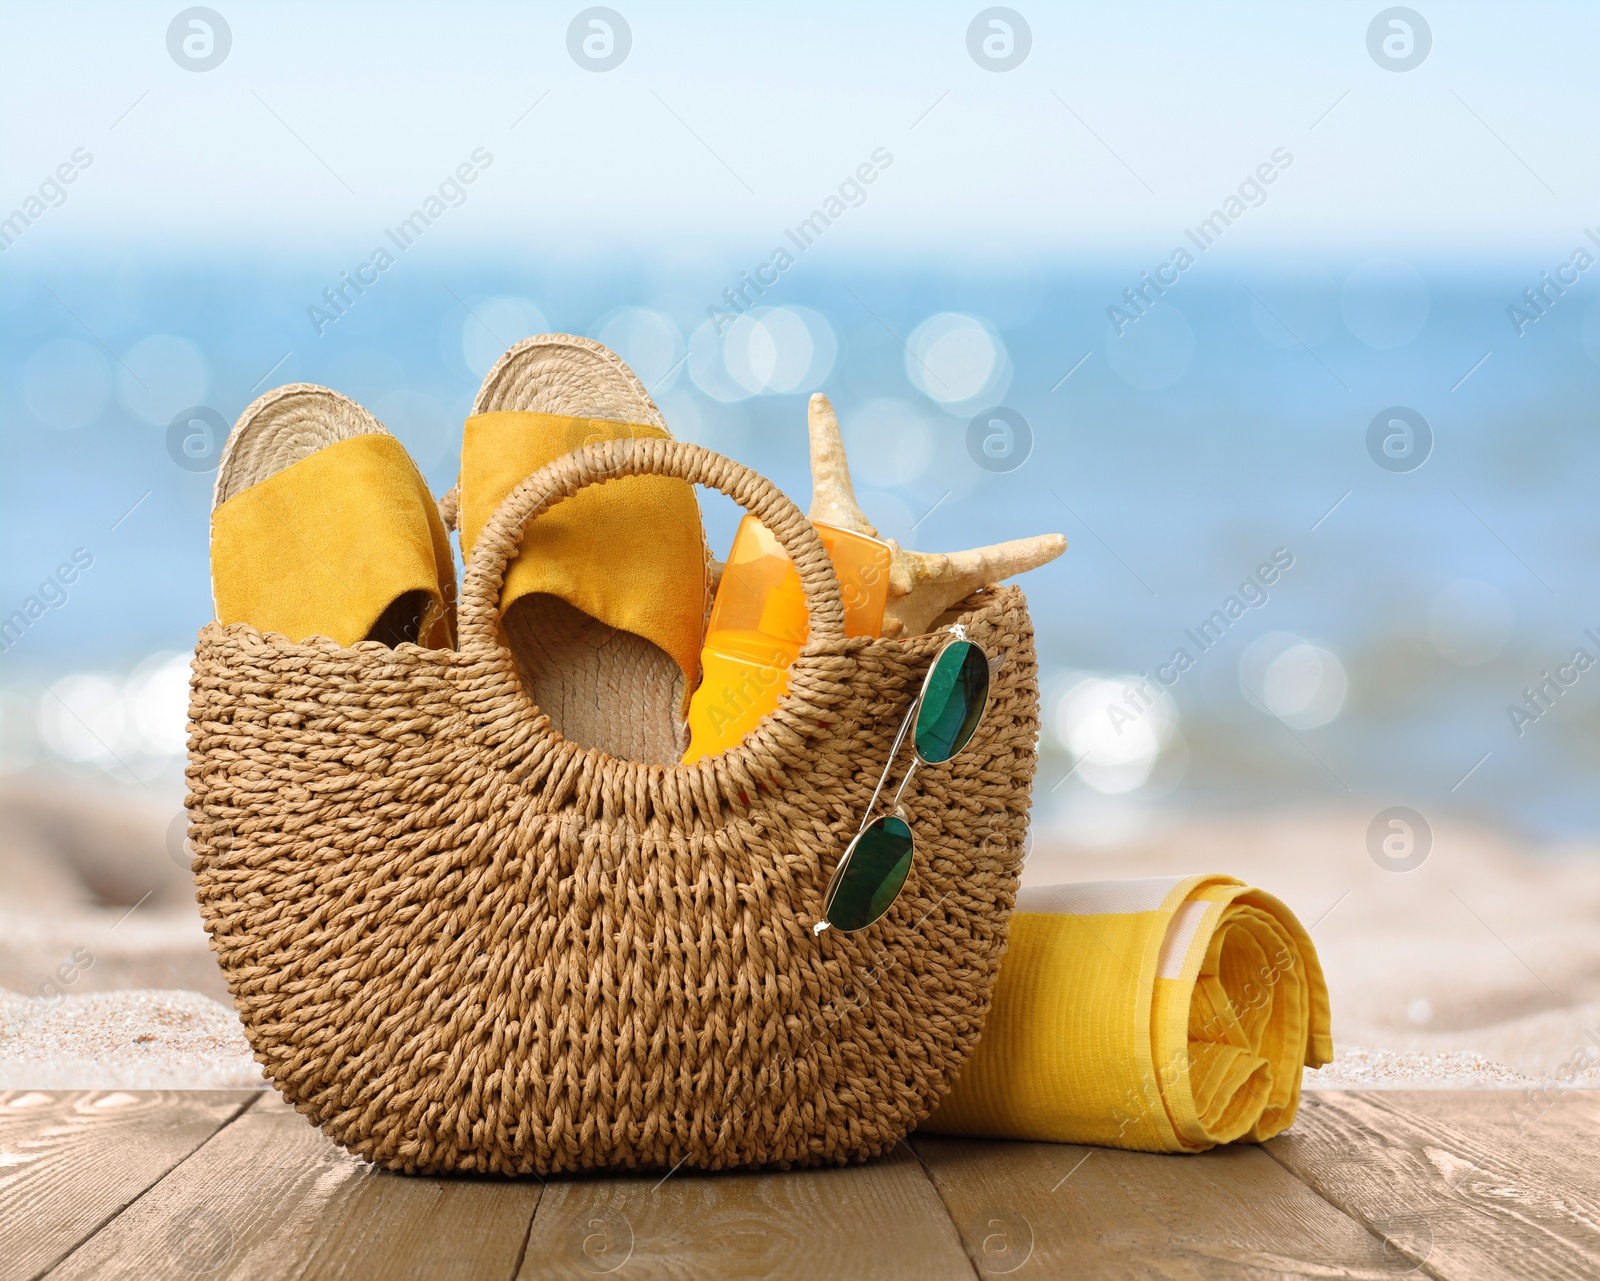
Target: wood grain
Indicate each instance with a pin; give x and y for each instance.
(1446, 1184)
(1055, 1210)
(881, 1220)
(70, 1160)
(1489, 1183)
(271, 1197)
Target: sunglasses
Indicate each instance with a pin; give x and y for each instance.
(940, 723)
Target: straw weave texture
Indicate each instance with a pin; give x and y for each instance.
(459, 942)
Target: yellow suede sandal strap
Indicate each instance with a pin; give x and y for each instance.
(326, 545)
(629, 553)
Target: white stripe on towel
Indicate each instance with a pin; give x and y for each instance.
(1097, 898)
(1180, 933)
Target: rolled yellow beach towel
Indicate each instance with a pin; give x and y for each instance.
(1164, 1014)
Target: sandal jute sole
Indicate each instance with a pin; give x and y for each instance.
(602, 687)
(282, 427)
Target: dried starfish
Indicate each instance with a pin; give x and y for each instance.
(922, 585)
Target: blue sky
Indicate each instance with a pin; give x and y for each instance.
(727, 123)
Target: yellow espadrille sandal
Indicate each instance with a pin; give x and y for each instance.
(322, 526)
(604, 606)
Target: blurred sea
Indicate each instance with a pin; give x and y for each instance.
(1229, 422)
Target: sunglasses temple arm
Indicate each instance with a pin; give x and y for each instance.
(901, 790)
(894, 753)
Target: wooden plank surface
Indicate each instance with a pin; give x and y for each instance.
(70, 1160)
(1479, 1184)
(882, 1220)
(1447, 1184)
(273, 1198)
(1056, 1210)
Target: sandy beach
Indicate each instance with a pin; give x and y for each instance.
(1481, 967)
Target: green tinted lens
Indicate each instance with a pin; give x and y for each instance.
(869, 880)
(952, 701)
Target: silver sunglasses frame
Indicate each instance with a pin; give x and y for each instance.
(958, 634)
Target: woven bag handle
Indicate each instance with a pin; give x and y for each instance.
(612, 460)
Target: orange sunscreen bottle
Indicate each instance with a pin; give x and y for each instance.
(758, 624)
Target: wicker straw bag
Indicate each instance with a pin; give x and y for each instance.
(460, 942)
